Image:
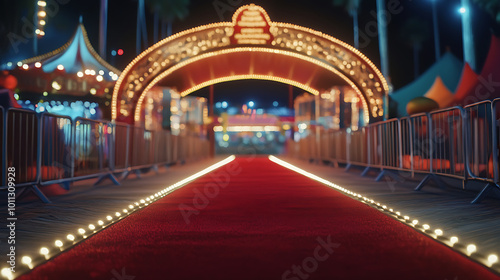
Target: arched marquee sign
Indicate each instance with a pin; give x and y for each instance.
(250, 47)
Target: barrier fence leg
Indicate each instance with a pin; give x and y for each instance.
(109, 176)
(388, 173)
(124, 175)
(432, 177)
(484, 192)
(40, 194)
(423, 182)
(155, 169)
(65, 185)
(363, 174)
(348, 167)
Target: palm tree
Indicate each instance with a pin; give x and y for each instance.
(415, 31)
(167, 11)
(352, 7)
(141, 31)
(382, 38)
(468, 34)
(493, 8)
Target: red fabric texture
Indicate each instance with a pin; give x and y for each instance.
(467, 82)
(263, 222)
(474, 88)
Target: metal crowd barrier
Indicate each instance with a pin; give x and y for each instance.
(3, 158)
(460, 143)
(122, 135)
(481, 151)
(56, 163)
(22, 145)
(51, 149)
(92, 147)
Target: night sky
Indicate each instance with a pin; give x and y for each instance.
(318, 14)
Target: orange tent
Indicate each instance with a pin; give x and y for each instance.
(440, 93)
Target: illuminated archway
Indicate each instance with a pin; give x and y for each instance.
(249, 47)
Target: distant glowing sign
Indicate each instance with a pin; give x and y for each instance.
(252, 26)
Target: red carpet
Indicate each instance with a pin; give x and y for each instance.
(268, 220)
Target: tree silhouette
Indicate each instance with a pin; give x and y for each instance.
(167, 11)
(414, 32)
(493, 8)
(352, 7)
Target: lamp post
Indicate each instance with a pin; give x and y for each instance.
(437, 46)
(103, 28)
(468, 36)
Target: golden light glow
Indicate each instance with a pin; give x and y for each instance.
(469, 250)
(44, 251)
(254, 128)
(249, 77)
(6, 272)
(492, 259)
(328, 67)
(367, 92)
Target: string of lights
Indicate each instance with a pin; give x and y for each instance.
(470, 250)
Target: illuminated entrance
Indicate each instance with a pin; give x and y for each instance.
(249, 47)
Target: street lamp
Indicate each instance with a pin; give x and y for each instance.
(437, 47)
(468, 36)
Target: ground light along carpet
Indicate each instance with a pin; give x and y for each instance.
(259, 220)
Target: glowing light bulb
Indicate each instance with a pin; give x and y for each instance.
(117, 214)
(143, 201)
(109, 218)
(58, 243)
(131, 206)
(471, 248)
(492, 259)
(7, 273)
(426, 226)
(415, 222)
(100, 222)
(91, 227)
(453, 240)
(406, 218)
(26, 260)
(438, 232)
(81, 231)
(44, 251)
(70, 237)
